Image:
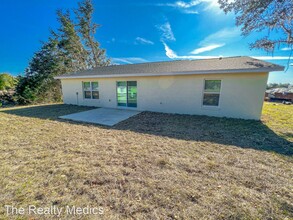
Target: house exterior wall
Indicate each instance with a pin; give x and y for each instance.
(241, 94)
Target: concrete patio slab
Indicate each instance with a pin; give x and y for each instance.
(103, 116)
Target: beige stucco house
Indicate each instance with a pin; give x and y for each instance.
(225, 87)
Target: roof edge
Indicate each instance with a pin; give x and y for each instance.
(277, 68)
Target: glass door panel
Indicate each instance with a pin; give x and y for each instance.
(122, 93)
(131, 94)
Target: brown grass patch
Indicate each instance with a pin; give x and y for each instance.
(152, 166)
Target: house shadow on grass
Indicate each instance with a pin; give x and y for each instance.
(51, 111)
(236, 132)
(227, 131)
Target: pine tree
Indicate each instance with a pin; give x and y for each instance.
(70, 43)
(64, 52)
(87, 30)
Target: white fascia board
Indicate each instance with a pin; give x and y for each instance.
(260, 70)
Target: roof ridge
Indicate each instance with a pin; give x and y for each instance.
(179, 60)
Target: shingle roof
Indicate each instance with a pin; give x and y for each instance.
(180, 67)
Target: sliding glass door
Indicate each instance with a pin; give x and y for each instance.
(127, 93)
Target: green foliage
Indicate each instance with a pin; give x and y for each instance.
(25, 92)
(7, 81)
(7, 86)
(264, 15)
(70, 49)
(87, 29)
(38, 84)
(29, 94)
(70, 45)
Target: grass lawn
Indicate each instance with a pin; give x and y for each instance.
(152, 166)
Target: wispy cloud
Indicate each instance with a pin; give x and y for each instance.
(193, 4)
(271, 57)
(166, 32)
(140, 40)
(181, 4)
(190, 11)
(170, 53)
(173, 55)
(286, 48)
(217, 40)
(128, 60)
(206, 48)
(222, 36)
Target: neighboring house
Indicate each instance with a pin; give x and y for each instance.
(280, 94)
(224, 87)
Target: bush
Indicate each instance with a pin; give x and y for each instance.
(7, 81)
(32, 90)
(26, 96)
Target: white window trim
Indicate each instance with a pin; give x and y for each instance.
(90, 90)
(211, 107)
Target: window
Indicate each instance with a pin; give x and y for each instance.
(211, 94)
(91, 90)
(95, 90)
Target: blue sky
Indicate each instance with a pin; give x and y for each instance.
(134, 31)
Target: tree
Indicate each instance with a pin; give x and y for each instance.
(263, 15)
(64, 52)
(38, 84)
(7, 81)
(70, 43)
(87, 29)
